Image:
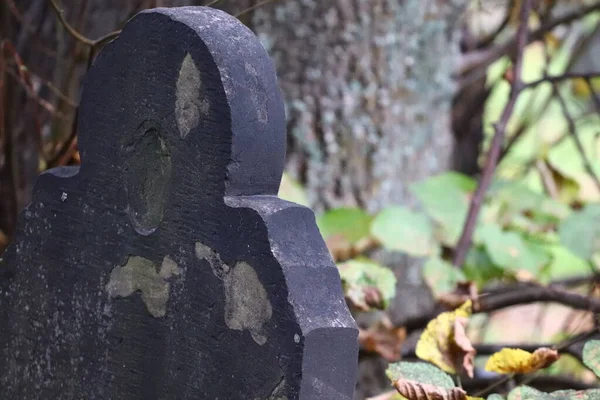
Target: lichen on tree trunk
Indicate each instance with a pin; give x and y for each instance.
(368, 89)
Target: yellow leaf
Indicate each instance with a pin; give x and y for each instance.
(438, 343)
(552, 40)
(581, 89)
(517, 361)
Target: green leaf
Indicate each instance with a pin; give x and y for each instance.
(564, 264)
(591, 355)
(566, 159)
(351, 223)
(495, 396)
(518, 198)
(441, 276)
(419, 372)
(528, 393)
(291, 190)
(570, 394)
(511, 251)
(360, 276)
(446, 199)
(570, 366)
(399, 229)
(581, 231)
(479, 267)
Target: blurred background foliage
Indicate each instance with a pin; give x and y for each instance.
(392, 106)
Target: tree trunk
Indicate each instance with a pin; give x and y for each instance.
(368, 89)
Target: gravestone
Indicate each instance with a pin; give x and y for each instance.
(165, 267)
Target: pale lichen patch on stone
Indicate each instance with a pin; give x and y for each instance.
(247, 305)
(140, 274)
(204, 252)
(189, 104)
(246, 302)
(169, 268)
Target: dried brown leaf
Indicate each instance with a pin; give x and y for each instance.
(383, 338)
(463, 349)
(339, 247)
(438, 343)
(464, 291)
(413, 390)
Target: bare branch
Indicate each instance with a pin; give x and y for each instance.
(497, 141)
(254, 7)
(561, 78)
(572, 130)
(483, 59)
(535, 294)
(78, 36)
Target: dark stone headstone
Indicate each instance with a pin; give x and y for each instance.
(165, 267)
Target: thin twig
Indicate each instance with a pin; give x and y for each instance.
(560, 78)
(78, 36)
(494, 385)
(524, 124)
(497, 141)
(482, 61)
(547, 179)
(538, 381)
(211, 3)
(64, 154)
(61, 17)
(254, 7)
(536, 294)
(593, 94)
(515, 295)
(573, 133)
(492, 36)
(39, 100)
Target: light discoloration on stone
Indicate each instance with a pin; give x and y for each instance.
(204, 252)
(246, 303)
(259, 97)
(140, 274)
(189, 104)
(278, 391)
(147, 175)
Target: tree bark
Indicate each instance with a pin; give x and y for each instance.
(368, 88)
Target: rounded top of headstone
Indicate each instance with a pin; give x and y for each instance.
(186, 95)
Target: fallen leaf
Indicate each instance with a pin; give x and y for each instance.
(413, 390)
(464, 291)
(517, 361)
(467, 351)
(339, 247)
(383, 338)
(367, 285)
(438, 343)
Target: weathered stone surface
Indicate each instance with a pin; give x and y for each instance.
(165, 267)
